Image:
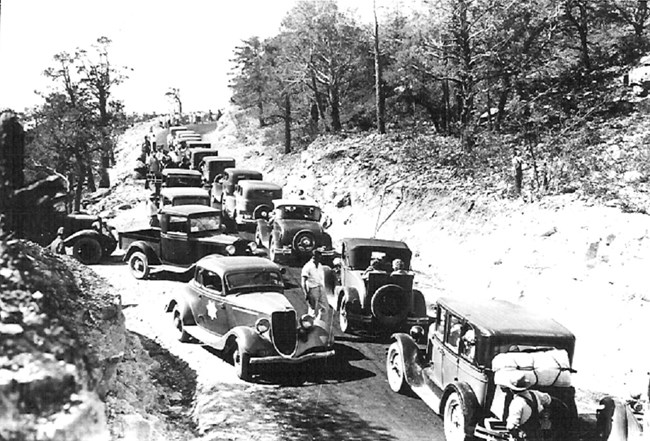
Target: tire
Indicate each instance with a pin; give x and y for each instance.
(455, 419)
(139, 265)
(395, 369)
(183, 336)
(110, 244)
(241, 362)
(304, 242)
(344, 324)
(87, 250)
(275, 258)
(261, 212)
(390, 305)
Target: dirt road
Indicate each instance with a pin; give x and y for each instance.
(345, 398)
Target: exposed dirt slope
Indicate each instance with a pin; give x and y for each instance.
(571, 256)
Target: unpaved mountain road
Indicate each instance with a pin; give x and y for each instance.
(346, 398)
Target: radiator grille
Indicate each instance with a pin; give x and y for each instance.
(283, 328)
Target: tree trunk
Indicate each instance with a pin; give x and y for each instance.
(379, 92)
(335, 109)
(287, 124)
(319, 100)
(90, 178)
(12, 162)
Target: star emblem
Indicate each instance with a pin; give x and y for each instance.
(212, 310)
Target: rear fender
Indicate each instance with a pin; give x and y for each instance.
(143, 247)
(468, 398)
(70, 240)
(410, 351)
(616, 422)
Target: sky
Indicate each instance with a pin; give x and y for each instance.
(167, 43)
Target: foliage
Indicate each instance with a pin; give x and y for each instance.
(75, 128)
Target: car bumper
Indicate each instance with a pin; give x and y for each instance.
(370, 320)
(276, 359)
(288, 250)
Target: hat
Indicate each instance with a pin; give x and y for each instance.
(59, 232)
(519, 383)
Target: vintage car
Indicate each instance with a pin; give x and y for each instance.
(89, 237)
(186, 234)
(238, 306)
(213, 167)
(473, 350)
(196, 155)
(225, 184)
(639, 77)
(180, 177)
(377, 300)
(294, 228)
(250, 201)
(183, 196)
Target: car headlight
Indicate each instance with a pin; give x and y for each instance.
(231, 250)
(262, 325)
(306, 321)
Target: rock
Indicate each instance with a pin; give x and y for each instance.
(125, 207)
(632, 177)
(345, 201)
(550, 232)
(10, 329)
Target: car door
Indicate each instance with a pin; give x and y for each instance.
(211, 313)
(437, 347)
(174, 243)
(451, 357)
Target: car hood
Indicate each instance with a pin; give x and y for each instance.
(291, 226)
(264, 302)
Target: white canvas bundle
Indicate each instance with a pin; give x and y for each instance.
(544, 368)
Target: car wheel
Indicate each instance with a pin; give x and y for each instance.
(454, 419)
(344, 324)
(139, 265)
(241, 361)
(395, 369)
(183, 336)
(87, 251)
(275, 258)
(304, 242)
(390, 305)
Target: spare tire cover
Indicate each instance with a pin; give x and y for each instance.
(390, 305)
(261, 212)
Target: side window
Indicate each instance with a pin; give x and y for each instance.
(440, 324)
(177, 224)
(453, 338)
(211, 280)
(468, 343)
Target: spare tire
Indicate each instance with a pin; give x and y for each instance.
(304, 242)
(87, 250)
(261, 212)
(390, 305)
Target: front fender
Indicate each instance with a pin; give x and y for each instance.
(179, 301)
(616, 422)
(248, 340)
(470, 403)
(143, 247)
(411, 359)
(351, 296)
(70, 240)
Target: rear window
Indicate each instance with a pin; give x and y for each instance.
(194, 200)
(265, 194)
(205, 223)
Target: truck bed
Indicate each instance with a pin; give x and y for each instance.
(148, 235)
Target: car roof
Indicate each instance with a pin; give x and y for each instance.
(259, 185)
(186, 210)
(199, 144)
(213, 158)
(247, 171)
(180, 171)
(500, 317)
(209, 151)
(171, 192)
(351, 243)
(299, 202)
(224, 264)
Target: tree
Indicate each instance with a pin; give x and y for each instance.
(380, 103)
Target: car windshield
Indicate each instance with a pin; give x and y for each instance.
(300, 212)
(253, 279)
(184, 181)
(205, 223)
(192, 200)
(265, 194)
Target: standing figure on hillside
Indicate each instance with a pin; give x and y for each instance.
(152, 207)
(517, 170)
(56, 246)
(313, 286)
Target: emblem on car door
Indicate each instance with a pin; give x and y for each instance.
(212, 310)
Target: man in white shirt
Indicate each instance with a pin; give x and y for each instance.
(312, 285)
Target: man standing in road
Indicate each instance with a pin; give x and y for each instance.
(312, 285)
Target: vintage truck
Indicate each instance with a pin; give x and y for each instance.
(89, 237)
(186, 234)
